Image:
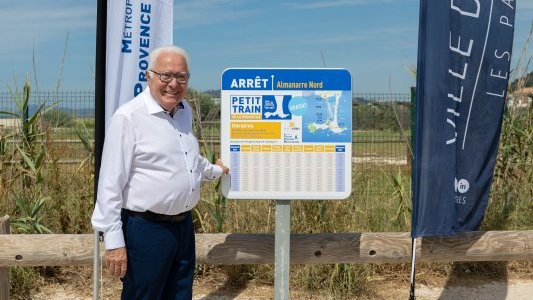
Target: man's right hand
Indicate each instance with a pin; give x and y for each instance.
(116, 261)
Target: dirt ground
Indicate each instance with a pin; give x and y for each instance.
(75, 283)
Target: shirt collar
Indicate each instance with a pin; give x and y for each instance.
(153, 106)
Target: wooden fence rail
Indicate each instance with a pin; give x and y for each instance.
(325, 248)
(230, 249)
(4, 272)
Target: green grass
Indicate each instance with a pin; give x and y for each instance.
(380, 202)
(68, 133)
(378, 135)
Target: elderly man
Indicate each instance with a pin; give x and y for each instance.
(149, 182)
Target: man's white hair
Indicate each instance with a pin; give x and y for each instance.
(154, 55)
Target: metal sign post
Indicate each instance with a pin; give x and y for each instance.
(282, 249)
(96, 266)
(286, 134)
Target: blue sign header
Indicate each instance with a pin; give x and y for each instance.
(287, 79)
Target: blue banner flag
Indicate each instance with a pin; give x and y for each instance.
(464, 55)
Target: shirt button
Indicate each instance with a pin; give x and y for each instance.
(190, 170)
(185, 152)
(193, 190)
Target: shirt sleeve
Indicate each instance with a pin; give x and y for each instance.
(114, 172)
(209, 171)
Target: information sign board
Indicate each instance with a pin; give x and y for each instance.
(287, 133)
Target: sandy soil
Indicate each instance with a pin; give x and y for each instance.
(76, 283)
(517, 290)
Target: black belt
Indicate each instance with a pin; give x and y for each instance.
(155, 217)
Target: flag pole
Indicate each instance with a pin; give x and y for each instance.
(99, 132)
(413, 258)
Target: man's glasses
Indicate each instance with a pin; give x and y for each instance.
(181, 77)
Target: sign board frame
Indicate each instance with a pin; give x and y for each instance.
(287, 133)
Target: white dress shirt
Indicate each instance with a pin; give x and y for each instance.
(150, 161)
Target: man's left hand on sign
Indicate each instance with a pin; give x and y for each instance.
(116, 261)
(225, 170)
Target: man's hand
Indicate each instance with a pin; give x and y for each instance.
(225, 170)
(116, 261)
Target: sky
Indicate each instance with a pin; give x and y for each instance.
(376, 40)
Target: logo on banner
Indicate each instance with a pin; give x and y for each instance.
(461, 187)
(144, 18)
(461, 76)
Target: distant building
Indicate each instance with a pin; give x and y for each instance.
(10, 124)
(521, 98)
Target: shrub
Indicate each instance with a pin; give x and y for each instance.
(57, 118)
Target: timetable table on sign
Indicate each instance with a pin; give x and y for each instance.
(297, 169)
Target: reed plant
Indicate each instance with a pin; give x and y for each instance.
(26, 160)
(511, 205)
(39, 194)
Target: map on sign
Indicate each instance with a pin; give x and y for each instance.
(287, 133)
(321, 117)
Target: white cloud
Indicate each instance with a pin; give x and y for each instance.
(194, 13)
(24, 23)
(334, 3)
(380, 37)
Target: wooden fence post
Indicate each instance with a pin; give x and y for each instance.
(4, 272)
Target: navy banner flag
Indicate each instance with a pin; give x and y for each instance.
(464, 57)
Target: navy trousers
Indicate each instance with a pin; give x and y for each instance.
(161, 259)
